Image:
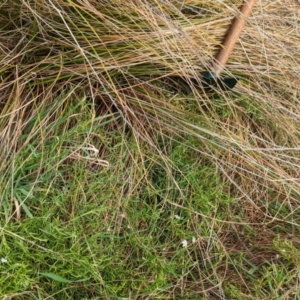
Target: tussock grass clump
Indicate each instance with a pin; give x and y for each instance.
(122, 179)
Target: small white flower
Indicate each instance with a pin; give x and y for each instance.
(184, 243)
(4, 260)
(193, 240)
(177, 217)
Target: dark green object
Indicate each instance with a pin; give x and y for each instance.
(211, 82)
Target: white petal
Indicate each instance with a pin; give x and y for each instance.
(184, 243)
(3, 260)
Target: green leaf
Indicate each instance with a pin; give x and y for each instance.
(56, 277)
(61, 279)
(25, 192)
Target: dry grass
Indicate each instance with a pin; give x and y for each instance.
(96, 85)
